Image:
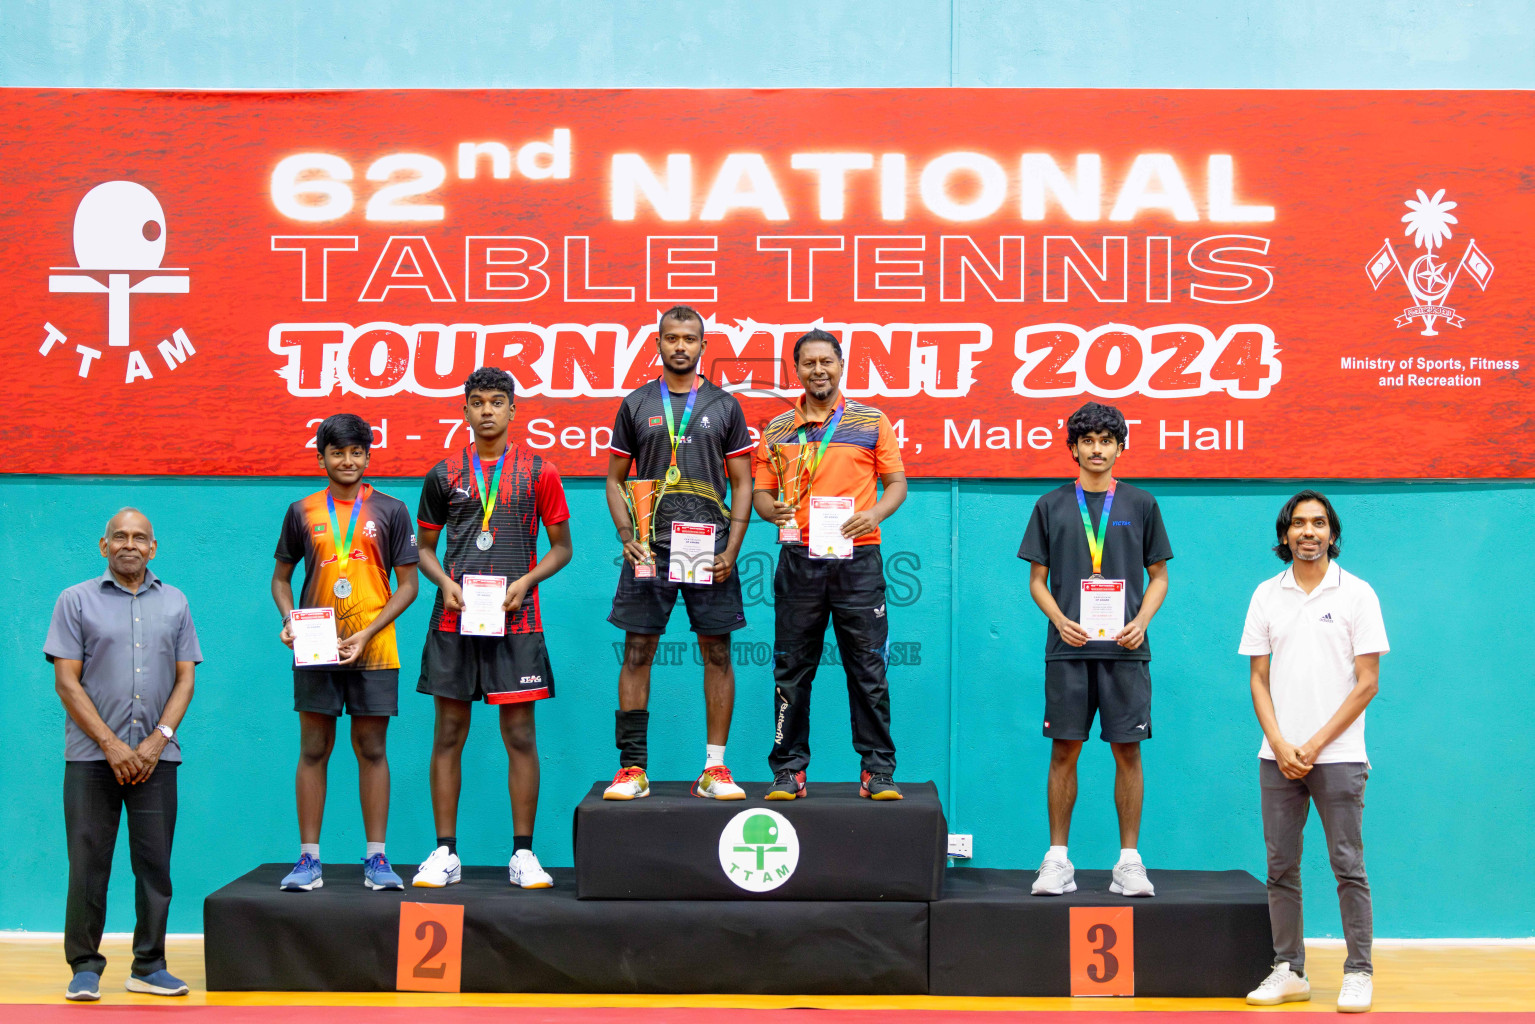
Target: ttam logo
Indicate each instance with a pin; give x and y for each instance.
(119, 241)
(759, 850)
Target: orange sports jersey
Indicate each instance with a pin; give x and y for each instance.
(862, 449)
(383, 538)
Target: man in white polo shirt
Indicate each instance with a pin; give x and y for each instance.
(1315, 636)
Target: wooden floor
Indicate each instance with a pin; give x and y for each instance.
(1411, 978)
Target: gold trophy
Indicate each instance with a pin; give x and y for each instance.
(643, 498)
(790, 471)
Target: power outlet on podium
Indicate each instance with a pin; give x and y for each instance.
(959, 845)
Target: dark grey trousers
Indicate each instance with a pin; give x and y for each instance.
(93, 808)
(1338, 791)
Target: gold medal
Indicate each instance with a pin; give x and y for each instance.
(673, 474)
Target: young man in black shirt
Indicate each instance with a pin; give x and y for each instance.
(489, 499)
(690, 434)
(1089, 543)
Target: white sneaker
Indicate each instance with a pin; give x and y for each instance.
(526, 872)
(440, 869)
(717, 784)
(628, 784)
(1130, 880)
(1055, 877)
(1354, 996)
(1281, 986)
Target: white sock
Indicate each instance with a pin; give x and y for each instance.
(313, 849)
(375, 848)
(714, 756)
(1056, 853)
(1129, 857)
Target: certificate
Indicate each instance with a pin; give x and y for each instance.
(827, 514)
(1103, 608)
(483, 614)
(692, 558)
(314, 636)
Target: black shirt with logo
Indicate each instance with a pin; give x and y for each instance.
(1056, 538)
(716, 432)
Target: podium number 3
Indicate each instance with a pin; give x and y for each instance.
(431, 956)
(1102, 951)
(1103, 934)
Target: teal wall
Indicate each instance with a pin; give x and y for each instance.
(1451, 801)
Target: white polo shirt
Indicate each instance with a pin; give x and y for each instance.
(1313, 640)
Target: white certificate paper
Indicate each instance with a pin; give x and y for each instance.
(1103, 608)
(483, 614)
(692, 558)
(827, 514)
(314, 637)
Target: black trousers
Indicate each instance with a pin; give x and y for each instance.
(93, 807)
(852, 593)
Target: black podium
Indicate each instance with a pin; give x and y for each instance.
(672, 894)
(667, 846)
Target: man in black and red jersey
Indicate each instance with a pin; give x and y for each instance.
(690, 434)
(489, 499)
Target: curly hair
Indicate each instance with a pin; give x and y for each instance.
(491, 378)
(1094, 418)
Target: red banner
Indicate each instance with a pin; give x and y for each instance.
(1280, 284)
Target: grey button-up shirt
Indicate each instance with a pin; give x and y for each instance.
(130, 643)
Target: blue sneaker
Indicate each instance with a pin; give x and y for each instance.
(304, 876)
(160, 983)
(84, 987)
(377, 874)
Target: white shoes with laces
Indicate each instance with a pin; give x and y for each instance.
(526, 872)
(1356, 993)
(1130, 879)
(1281, 986)
(1055, 877)
(439, 869)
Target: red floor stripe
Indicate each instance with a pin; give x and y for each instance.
(18, 1014)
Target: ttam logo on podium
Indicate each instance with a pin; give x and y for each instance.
(759, 850)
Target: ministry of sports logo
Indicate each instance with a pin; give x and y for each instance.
(759, 850)
(119, 241)
(1428, 222)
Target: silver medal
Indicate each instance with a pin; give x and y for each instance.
(484, 540)
(343, 588)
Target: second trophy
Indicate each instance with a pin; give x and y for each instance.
(788, 461)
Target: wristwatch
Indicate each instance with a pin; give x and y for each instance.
(166, 731)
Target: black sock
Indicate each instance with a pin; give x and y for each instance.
(630, 728)
(522, 843)
(451, 842)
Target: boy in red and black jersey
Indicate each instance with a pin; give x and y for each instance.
(489, 499)
(349, 537)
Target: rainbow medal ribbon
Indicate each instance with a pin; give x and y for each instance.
(343, 586)
(488, 491)
(1102, 601)
(675, 433)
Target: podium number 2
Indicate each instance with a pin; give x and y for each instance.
(431, 947)
(1102, 951)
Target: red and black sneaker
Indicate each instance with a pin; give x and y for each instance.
(879, 786)
(788, 785)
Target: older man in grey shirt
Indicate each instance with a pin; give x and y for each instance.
(124, 652)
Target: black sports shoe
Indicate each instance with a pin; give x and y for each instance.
(788, 785)
(879, 786)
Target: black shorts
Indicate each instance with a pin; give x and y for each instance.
(353, 691)
(645, 606)
(1117, 690)
(507, 669)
